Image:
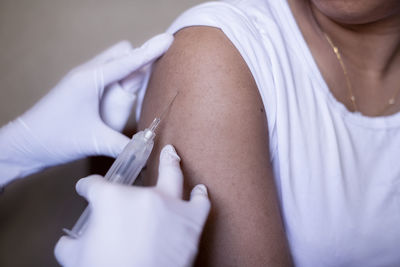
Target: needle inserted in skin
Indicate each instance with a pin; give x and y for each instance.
(157, 120)
(168, 107)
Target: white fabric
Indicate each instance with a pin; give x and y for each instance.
(139, 226)
(337, 173)
(82, 115)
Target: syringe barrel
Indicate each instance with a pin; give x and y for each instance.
(124, 170)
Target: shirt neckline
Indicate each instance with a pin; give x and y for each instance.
(384, 122)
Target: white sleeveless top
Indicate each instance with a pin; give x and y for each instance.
(337, 172)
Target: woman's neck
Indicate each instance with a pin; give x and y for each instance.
(371, 49)
(370, 52)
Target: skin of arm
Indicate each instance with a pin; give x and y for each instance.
(218, 126)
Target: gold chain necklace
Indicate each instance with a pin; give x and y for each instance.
(391, 100)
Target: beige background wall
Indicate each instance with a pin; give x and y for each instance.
(40, 40)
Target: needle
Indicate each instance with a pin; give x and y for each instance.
(168, 107)
(157, 120)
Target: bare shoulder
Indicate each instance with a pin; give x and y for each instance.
(218, 99)
(219, 129)
(201, 57)
(214, 85)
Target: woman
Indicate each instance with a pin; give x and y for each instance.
(291, 107)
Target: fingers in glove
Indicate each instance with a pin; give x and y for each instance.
(122, 67)
(134, 82)
(90, 187)
(64, 250)
(116, 106)
(170, 176)
(112, 142)
(117, 103)
(200, 203)
(118, 50)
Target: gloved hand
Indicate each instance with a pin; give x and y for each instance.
(82, 115)
(138, 226)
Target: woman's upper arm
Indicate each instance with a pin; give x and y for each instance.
(218, 127)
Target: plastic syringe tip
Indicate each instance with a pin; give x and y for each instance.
(149, 132)
(154, 124)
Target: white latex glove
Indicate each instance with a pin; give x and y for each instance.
(82, 115)
(138, 226)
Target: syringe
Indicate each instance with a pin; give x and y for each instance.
(126, 167)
